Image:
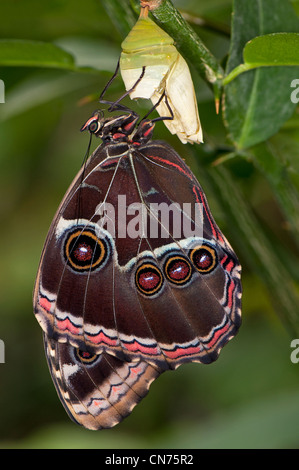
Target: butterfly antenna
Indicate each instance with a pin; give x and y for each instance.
(109, 83)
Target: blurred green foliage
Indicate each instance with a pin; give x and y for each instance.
(249, 398)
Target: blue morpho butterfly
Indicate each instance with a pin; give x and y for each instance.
(122, 298)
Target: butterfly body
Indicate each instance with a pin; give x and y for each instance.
(139, 294)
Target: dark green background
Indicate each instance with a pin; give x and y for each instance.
(250, 396)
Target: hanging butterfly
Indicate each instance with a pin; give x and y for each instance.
(123, 297)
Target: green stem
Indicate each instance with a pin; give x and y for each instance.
(187, 41)
(245, 67)
(236, 72)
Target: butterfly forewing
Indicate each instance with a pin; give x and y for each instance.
(108, 291)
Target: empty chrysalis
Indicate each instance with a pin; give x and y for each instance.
(165, 72)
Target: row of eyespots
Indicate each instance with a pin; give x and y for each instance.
(177, 269)
(84, 251)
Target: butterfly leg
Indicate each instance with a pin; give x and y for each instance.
(115, 105)
(161, 118)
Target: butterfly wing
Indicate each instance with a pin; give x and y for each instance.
(97, 390)
(163, 297)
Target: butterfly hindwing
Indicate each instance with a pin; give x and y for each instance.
(97, 391)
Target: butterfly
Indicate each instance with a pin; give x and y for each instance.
(135, 277)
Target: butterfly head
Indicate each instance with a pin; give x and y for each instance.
(119, 128)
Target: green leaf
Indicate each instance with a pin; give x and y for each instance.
(37, 90)
(277, 49)
(257, 103)
(273, 49)
(17, 52)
